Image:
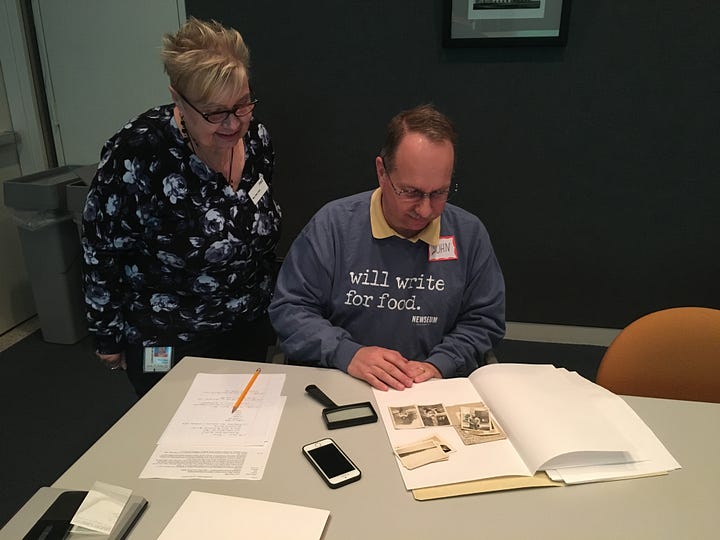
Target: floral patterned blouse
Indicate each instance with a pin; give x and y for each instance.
(171, 252)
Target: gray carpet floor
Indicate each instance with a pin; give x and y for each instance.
(57, 401)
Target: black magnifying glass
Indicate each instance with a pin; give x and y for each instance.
(340, 416)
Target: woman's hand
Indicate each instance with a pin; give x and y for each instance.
(112, 361)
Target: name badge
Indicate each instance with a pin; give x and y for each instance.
(258, 190)
(444, 251)
(157, 359)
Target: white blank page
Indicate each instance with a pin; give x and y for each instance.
(221, 517)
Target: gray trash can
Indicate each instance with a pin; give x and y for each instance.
(77, 193)
(51, 246)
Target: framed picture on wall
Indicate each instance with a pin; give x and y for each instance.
(500, 23)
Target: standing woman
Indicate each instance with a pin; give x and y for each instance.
(180, 227)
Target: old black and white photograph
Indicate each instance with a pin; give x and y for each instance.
(406, 417)
(434, 415)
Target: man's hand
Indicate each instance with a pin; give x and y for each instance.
(427, 371)
(382, 368)
(385, 368)
(113, 361)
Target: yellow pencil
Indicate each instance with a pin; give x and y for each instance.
(247, 389)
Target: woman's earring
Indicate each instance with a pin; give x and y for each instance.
(183, 127)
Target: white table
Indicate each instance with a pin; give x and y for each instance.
(683, 504)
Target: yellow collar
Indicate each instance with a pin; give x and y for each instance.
(380, 228)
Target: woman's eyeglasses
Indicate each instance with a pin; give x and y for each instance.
(218, 117)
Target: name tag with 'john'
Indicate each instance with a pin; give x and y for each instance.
(446, 250)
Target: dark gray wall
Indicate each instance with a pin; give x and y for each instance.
(594, 166)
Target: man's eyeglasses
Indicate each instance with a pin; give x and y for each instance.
(415, 195)
(218, 117)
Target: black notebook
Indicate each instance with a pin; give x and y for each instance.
(60, 507)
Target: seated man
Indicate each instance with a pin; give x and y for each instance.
(394, 286)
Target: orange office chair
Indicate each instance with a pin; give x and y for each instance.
(673, 353)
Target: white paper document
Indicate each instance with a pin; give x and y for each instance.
(554, 420)
(205, 439)
(205, 415)
(221, 517)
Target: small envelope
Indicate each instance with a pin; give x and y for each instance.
(420, 453)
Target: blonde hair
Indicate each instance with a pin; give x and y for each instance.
(203, 59)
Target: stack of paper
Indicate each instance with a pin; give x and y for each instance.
(105, 512)
(220, 517)
(101, 509)
(205, 439)
(555, 421)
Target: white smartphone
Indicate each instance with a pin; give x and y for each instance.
(331, 462)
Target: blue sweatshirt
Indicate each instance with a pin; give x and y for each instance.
(341, 289)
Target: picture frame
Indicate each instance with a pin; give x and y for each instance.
(502, 23)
